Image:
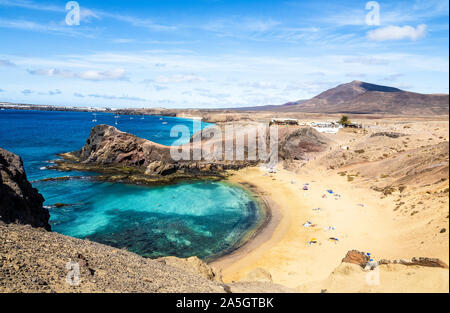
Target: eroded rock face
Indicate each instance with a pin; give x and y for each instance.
(108, 147)
(300, 143)
(208, 154)
(356, 257)
(426, 262)
(193, 265)
(34, 260)
(19, 201)
(361, 259)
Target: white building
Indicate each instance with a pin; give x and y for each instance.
(326, 127)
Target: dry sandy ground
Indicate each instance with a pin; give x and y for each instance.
(364, 219)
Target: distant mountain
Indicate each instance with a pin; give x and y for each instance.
(359, 97)
(273, 107)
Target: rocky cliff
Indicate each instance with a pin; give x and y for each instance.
(19, 201)
(125, 157)
(33, 260)
(36, 260)
(302, 143)
(111, 151)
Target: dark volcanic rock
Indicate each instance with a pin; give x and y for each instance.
(125, 157)
(19, 201)
(107, 145)
(299, 143)
(109, 150)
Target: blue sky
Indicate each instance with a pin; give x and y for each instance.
(216, 53)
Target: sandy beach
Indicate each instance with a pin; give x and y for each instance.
(282, 248)
(354, 214)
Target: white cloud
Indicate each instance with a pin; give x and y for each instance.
(224, 26)
(366, 60)
(263, 85)
(123, 40)
(137, 22)
(115, 74)
(51, 92)
(87, 15)
(59, 29)
(398, 33)
(393, 77)
(354, 74)
(31, 5)
(6, 63)
(112, 97)
(224, 79)
(175, 79)
(109, 97)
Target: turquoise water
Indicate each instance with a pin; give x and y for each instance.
(201, 218)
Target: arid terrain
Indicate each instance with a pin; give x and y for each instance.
(362, 210)
(390, 198)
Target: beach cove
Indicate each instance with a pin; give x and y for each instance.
(201, 218)
(319, 214)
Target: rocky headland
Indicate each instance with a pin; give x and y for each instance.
(34, 259)
(383, 191)
(19, 201)
(120, 156)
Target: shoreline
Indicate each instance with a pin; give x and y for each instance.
(282, 251)
(258, 236)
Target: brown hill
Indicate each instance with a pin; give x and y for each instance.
(360, 97)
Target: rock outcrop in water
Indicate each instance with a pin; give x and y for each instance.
(36, 260)
(124, 155)
(19, 201)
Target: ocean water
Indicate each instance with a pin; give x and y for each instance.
(198, 218)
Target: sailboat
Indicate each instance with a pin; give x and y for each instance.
(95, 118)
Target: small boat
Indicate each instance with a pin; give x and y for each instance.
(164, 123)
